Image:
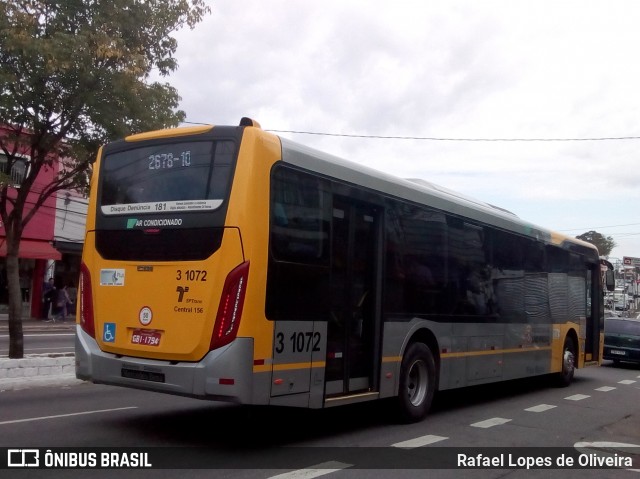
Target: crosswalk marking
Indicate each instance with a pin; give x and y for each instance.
(494, 421)
(577, 397)
(313, 471)
(605, 389)
(419, 441)
(540, 408)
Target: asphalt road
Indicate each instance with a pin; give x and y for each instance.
(600, 407)
(42, 340)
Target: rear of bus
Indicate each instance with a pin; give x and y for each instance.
(171, 292)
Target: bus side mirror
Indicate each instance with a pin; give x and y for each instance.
(610, 280)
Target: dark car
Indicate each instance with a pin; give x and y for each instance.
(622, 339)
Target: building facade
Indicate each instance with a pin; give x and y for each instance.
(51, 243)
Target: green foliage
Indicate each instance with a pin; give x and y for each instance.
(605, 244)
(77, 69)
(74, 74)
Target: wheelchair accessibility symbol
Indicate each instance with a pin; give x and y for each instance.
(109, 333)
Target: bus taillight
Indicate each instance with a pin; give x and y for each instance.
(86, 302)
(230, 308)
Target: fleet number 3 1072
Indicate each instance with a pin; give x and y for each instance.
(191, 275)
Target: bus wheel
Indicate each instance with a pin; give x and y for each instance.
(417, 382)
(565, 377)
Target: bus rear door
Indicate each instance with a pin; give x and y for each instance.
(351, 331)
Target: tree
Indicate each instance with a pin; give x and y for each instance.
(605, 244)
(75, 74)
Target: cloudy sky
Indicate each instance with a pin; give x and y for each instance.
(455, 70)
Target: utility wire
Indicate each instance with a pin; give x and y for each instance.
(433, 138)
(436, 138)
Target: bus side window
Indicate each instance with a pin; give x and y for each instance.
(298, 270)
(299, 218)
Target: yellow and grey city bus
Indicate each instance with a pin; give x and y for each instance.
(228, 263)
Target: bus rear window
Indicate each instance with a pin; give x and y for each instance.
(168, 177)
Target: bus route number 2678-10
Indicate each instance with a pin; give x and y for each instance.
(298, 342)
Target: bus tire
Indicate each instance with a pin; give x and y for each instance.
(565, 376)
(417, 382)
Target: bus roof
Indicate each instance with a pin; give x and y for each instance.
(424, 192)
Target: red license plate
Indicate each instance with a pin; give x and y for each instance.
(146, 337)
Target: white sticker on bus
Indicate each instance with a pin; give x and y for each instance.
(161, 207)
(112, 277)
(145, 316)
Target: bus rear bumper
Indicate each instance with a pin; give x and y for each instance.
(224, 374)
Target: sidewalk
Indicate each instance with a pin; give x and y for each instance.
(37, 370)
(30, 323)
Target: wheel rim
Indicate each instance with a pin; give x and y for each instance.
(417, 382)
(568, 361)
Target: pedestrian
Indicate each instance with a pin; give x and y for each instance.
(48, 294)
(73, 296)
(24, 286)
(62, 303)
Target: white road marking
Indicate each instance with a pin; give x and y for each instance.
(606, 389)
(627, 381)
(495, 421)
(314, 471)
(82, 413)
(419, 441)
(618, 446)
(540, 408)
(605, 448)
(577, 397)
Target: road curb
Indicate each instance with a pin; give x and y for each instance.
(36, 370)
(39, 381)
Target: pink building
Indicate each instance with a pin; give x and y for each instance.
(40, 259)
